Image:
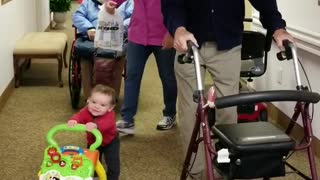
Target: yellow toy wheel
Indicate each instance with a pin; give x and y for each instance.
(100, 171)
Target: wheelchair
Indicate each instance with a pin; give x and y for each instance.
(74, 75)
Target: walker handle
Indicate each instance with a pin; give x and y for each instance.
(287, 53)
(188, 56)
(291, 53)
(196, 58)
(76, 128)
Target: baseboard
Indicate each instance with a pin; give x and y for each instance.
(283, 120)
(6, 93)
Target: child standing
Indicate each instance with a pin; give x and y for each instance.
(99, 114)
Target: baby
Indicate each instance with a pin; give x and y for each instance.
(99, 114)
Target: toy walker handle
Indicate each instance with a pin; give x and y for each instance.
(76, 128)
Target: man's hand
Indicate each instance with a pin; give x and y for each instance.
(110, 6)
(90, 126)
(91, 34)
(181, 36)
(167, 42)
(72, 123)
(280, 35)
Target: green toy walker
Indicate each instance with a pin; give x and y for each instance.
(71, 162)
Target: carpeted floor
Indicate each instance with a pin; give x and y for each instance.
(39, 104)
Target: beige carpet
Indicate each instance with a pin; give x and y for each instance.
(39, 104)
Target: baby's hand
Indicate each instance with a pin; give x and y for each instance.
(72, 123)
(110, 6)
(90, 126)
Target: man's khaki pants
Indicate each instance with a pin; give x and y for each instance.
(224, 68)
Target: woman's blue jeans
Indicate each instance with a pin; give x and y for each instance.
(137, 56)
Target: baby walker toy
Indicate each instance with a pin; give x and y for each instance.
(71, 162)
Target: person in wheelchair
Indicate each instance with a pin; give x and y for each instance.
(85, 21)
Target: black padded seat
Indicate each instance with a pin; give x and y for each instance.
(256, 150)
(253, 137)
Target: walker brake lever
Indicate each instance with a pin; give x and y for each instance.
(287, 53)
(185, 58)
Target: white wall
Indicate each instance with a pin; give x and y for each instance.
(17, 18)
(302, 15)
(43, 16)
(303, 25)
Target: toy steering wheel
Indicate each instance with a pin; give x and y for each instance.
(76, 128)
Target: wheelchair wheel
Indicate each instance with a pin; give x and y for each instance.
(74, 80)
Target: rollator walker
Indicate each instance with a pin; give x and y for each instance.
(253, 150)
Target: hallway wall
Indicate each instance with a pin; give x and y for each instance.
(17, 18)
(43, 15)
(303, 26)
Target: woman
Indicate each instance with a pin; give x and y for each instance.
(147, 34)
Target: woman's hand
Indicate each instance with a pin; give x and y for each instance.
(90, 126)
(72, 123)
(167, 42)
(110, 6)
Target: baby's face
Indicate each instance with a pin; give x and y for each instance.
(99, 104)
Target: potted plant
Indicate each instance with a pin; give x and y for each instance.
(59, 9)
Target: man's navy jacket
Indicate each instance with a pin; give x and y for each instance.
(218, 20)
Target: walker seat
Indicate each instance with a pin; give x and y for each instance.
(255, 150)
